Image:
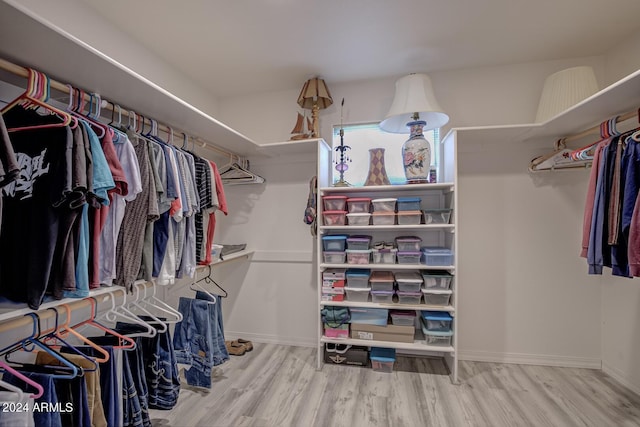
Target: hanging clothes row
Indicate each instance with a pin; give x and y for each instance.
(611, 225)
(87, 204)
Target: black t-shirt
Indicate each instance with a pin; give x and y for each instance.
(31, 222)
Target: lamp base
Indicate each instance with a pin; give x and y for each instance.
(341, 183)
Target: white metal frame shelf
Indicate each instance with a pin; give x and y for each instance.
(392, 306)
(416, 345)
(391, 266)
(427, 227)
(440, 187)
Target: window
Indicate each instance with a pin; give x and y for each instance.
(363, 137)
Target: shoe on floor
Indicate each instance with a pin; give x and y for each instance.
(235, 349)
(248, 344)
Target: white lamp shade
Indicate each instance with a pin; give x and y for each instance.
(564, 89)
(414, 94)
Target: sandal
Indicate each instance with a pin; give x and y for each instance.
(235, 349)
(247, 344)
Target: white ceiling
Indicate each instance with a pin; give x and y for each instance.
(236, 47)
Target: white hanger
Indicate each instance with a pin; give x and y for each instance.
(158, 304)
(121, 311)
(10, 387)
(136, 304)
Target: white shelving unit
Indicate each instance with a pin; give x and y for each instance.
(437, 195)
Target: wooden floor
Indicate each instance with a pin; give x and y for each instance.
(279, 386)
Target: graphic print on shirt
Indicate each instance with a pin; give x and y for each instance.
(31, 168)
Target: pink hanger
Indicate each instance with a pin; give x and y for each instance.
(27, 380)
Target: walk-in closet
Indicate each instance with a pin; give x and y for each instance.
(319, 213)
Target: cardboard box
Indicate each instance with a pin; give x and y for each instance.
(393, 333)
(333, 283)
(333, 297)
(356, 355)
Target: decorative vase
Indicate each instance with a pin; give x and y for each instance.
(416, 153)
(377, 172)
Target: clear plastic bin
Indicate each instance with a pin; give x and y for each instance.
(384, 205)
(383, 218)
(436, 280)
(358, 257)
(358, 243)
(334, 203)
(358, 278)
(437, 256)
(382, 359)
(334, 217)
(334, 274)
(341, 331)
(409, 203)
(384, 297)
(409, 297)
(334, 243)
(358, 218)
(437, 216)
(436, 320)
(358, 204)
(436, 297)
(437, 339)
(381, 281)
(384, 256)
(334, 257)
(408, 281)
(357, 294)
(409, 217)
(408, 243)
(408, 257)
(403, 317)
(369, 316)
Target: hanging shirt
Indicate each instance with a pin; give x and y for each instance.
(8, 164)
(30, 222)
(221, 201)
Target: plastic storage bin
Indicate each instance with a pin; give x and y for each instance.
(408, 243)
(369, 316)
(334, 203)
(383, 218)
(403, 317)
(409, 297)
(357, 294)
(436, 280)
(437, 297)
(358, 243)
(358, 218)
(437, 256)
(334, 274)
(381, 281)
(334, 257)
(358, 277)
(384, 256)
(358, 257)
(437, 216)
(382, 359)
(436, 320)
(385, 297)
(408, 257)
(408, 281)
(341, 331)
(334, 243)
(384, 205)
(409, 203)
(409, 217)
(438, 339)
(358, 204)
(334, 217)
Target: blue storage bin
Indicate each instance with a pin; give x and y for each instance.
(436, 256)
(436, 320)
(408, 203)
(358, 277)
(369, 316)
(382, 359)
(335, 243)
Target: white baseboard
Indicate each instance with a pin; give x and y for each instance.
(620, 377)
(531, 359)
(271, 339)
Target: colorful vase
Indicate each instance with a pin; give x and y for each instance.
(416, 153)
(377, 172)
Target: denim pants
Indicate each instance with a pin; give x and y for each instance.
(199, 339)
(18, 417)
(40, 418)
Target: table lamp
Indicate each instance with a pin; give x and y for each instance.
(413, 110)
(315, 96)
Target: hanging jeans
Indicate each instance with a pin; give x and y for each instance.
(42, 418)
(199, 339)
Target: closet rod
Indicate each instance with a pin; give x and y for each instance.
(20, 71)
(595, 130)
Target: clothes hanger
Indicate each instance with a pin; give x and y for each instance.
(123, 313)
(209, 280)
(607, 130)
(91, 321)
(158, 304)
(66, 328)
(14, 389)
(35, 96)
(76, 107)
(154, 320)
(39, 389)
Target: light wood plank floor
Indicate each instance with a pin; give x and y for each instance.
(279, 386)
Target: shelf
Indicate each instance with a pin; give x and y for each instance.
(419, 345)
(390, 266)
(231, 257)
(424, 227)
(448, 308)
(302, 146)
(440, 186)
